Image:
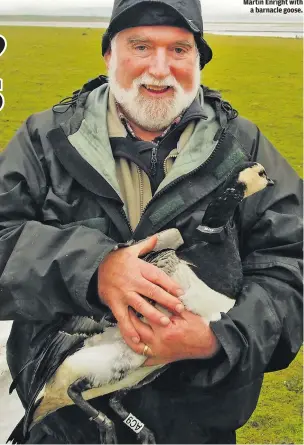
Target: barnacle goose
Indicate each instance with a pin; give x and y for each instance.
(81, 358)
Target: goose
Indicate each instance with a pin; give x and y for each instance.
(80, 358)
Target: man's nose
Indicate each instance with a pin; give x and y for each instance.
(159, 66)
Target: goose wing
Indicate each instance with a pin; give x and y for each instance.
(55, 343)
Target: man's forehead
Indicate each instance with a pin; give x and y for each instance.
(157, 34)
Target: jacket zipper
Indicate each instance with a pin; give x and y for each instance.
(153, 162)
(220, 140)
(165, 162)
(123, 213)
(141, 198)
(141, 190)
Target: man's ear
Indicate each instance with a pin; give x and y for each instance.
(107, 56)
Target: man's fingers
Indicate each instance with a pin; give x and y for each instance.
(145, 331)
(156, 281)
(136, 347)
(159, 277)
(125, 325)
(159, 295)
(147, 310)
(145, 246)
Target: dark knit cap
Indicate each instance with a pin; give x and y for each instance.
(181, 13)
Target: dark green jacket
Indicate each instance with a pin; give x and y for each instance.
(59, 218)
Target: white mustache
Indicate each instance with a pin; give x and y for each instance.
(147, 80)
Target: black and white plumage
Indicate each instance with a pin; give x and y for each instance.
(82, 357)
(245, 180)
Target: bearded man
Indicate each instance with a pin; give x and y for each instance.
(140, 152)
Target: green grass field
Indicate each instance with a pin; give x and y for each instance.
(262, 77)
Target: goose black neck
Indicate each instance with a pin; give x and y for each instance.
(222, 208)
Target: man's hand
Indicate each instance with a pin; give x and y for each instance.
(122, 280)
(187, 337)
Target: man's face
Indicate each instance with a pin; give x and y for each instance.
(154, 73)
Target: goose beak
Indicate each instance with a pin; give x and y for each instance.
(270, 181)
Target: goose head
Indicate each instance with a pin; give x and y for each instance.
(253, 179)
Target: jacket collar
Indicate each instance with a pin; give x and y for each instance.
(187, 162)
(86, 133)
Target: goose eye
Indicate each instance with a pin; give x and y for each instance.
(262, 173)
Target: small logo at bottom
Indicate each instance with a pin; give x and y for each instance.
(135, 424)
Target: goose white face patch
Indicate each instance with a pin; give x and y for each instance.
(135, 424)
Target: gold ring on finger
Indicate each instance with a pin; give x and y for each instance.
(146, 348)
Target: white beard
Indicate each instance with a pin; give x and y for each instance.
(152, 114)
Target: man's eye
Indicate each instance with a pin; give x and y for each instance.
(140, 48)
(179, 50)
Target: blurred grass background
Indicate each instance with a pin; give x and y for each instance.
(261, 77)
